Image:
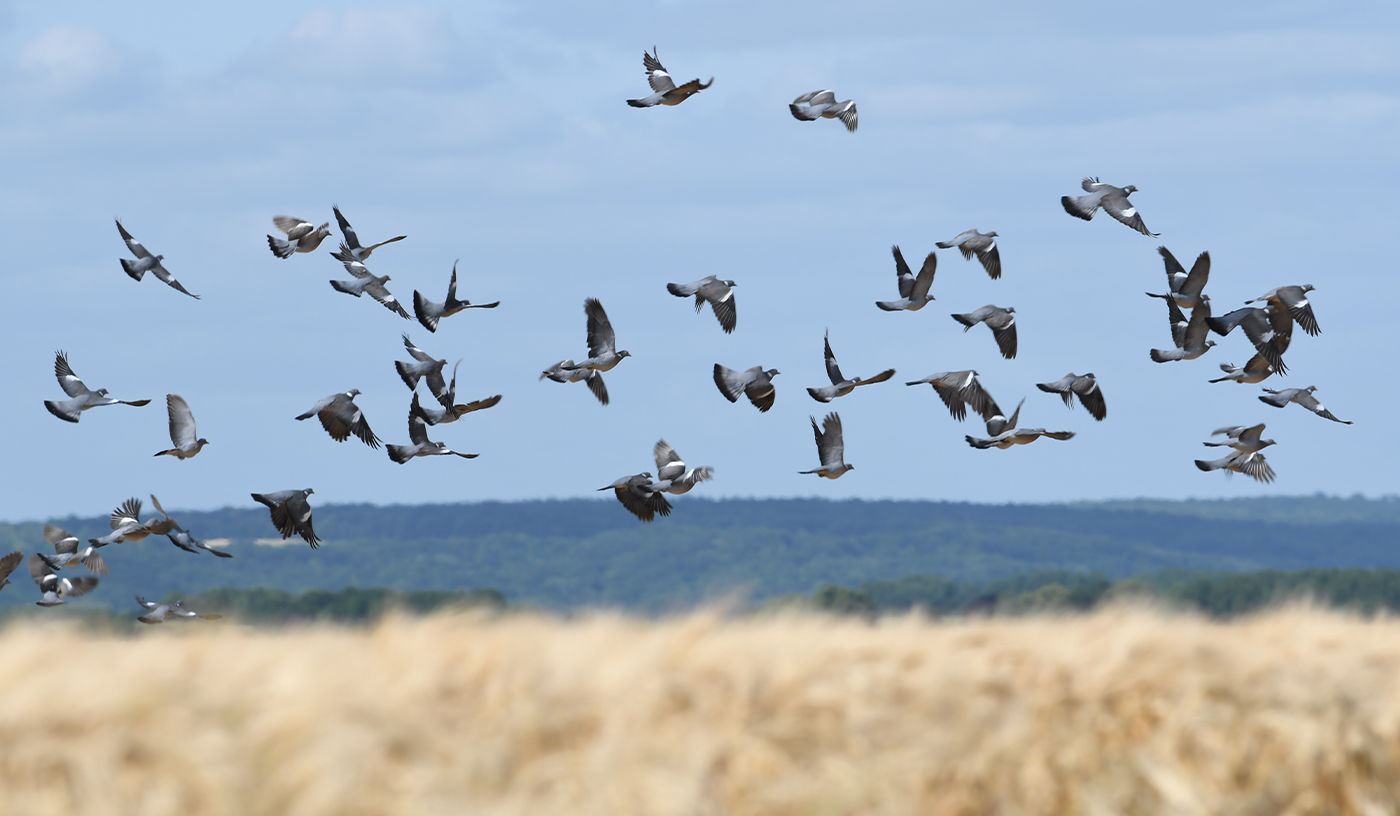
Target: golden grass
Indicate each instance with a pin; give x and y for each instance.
(1127, 711)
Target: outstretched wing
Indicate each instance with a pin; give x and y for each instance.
(601, 339)
(182, 429)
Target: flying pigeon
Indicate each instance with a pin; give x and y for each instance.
(1253, 465)
(666, 91)
(181, 537)
(1016, 436)
(411, 373)
(1085, 386)
(430, 312)
(302, 236)
(1295, 300)
(1114, 200)
(981, 244)
(714, 291)
(159, 612)
(641, 496)
(182, 431)
(810, 107)
(755, 383)
(1302, 396)
(1183, 288)
(82, 399)
(8, 564)
(450, 410)
(146, 262)
(1270, 330)
(365, 281)
(831, 447)
(959, 389)
(126, 525)
(57, 590)
(1255, 371)
(559, 372)
(840, 386)
(350, 249)
(1001, 321)
(291, 514)
(672, 476)
(913, 291)
(602, 343)
(340, 416)
(67, 552)
(418, 434)
(1243, 438)
(1189, 336)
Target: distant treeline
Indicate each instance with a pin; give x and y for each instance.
(1220, 595)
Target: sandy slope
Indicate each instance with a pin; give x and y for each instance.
(1125, 711)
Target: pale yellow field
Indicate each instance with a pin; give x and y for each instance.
(1126, 711)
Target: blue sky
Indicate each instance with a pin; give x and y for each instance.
(499, 135)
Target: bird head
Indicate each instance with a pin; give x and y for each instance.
(101, 392)
(772, 372)
(352, 393)
(1264, 443)
(160, 258)
(991, 235)
(1129, 190)
(202, 442)
(733, 284)
(624, 354)
(1210, 343)
(309, 491)
(1307, 287)
(1009, 309)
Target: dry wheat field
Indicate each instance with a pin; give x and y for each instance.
(1126, 711)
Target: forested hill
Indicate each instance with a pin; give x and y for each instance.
(573, 553)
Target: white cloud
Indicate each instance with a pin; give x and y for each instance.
(68, 62)
(399, 46)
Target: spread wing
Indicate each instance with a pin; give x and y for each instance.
(67, 380)
(182, 430)
(601, 339)
(832, 369)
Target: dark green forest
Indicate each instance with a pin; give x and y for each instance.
(568, 555)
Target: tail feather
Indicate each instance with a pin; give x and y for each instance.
(407, 372)
(280, 248)
(399, 453)
(341, 287)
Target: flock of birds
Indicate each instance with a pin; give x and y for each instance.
(1268, 327)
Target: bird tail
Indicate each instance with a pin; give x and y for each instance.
(1209, 466)
(409, 374)
(221, 554)
(171, 452)
(890, 305)
(399, 453)
(1160, 356)
(341, 287)
(425, 315)
(1079, 206)
(805, 113)
(967, 321)
(134, 273)
(1273, 400)
(727, 382)
(280, 248)
(646, 101)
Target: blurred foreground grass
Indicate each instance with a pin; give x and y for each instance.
(1124, 711)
